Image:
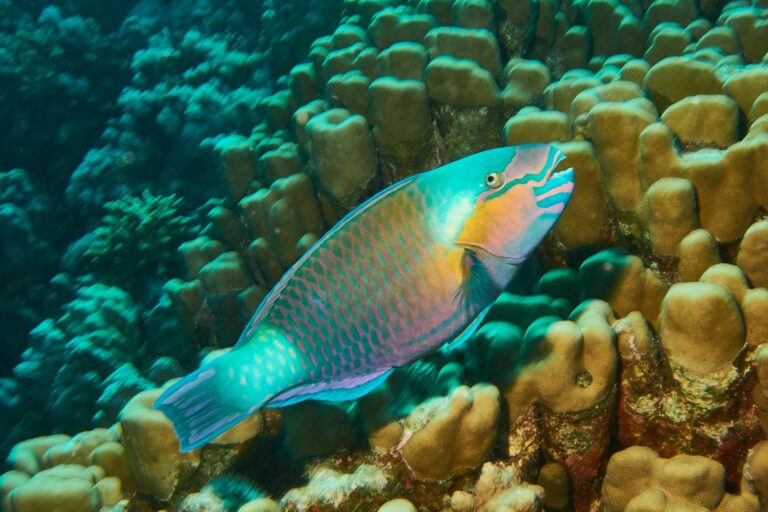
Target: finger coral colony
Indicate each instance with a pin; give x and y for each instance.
(212, 143)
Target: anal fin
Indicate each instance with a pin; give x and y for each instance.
(340, 390)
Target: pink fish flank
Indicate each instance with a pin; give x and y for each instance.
(411, 269)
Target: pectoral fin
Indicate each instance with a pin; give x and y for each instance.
(478, 288)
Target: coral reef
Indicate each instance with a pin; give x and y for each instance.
(62, 373)
(79, 474)
(112, 100)
(183, 90)
(137, 233)
(55, 58)
(637, 478)
(624, 369)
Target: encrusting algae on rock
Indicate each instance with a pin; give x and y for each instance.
(623, 369)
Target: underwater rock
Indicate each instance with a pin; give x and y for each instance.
(390, 26)
(225, 283)
(689, 314)
(404, 61)
(277, 109)
(239, 164)
(305, 85)
(554, 479)
(459, 87)
(613, 128)
(119, 387)
(676, 78)
(474, 14)
(99, 447)
(279, 219)
(83, 472)
(624, 282)
(745, 87)
(152, 449)
(516, 25)
(26, 456)
(278, 163)
(752, 251)
(476, 45)
(668, 39)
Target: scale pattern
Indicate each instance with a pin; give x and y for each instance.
(376, 294)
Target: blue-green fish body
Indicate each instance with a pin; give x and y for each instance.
(412, 268)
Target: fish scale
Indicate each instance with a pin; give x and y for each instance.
(352, 277)
(409, 270)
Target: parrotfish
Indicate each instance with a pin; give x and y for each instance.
(410, 270)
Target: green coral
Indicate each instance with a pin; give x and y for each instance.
(137, 234)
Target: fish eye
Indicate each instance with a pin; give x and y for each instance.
(494, 179)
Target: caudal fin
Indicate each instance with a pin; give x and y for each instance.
(198, 412)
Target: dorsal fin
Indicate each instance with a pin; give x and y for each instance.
(273, 295)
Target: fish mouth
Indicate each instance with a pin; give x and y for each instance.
(509, 260)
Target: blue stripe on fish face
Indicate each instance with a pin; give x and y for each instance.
(556, 191)
(537, 175)
(553, 200)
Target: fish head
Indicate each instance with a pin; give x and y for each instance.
(516, 199)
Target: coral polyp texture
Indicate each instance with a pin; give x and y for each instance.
(625, 368)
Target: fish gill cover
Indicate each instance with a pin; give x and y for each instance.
(202, 147)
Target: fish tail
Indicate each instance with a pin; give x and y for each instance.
(197, 409)
(222, 393)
